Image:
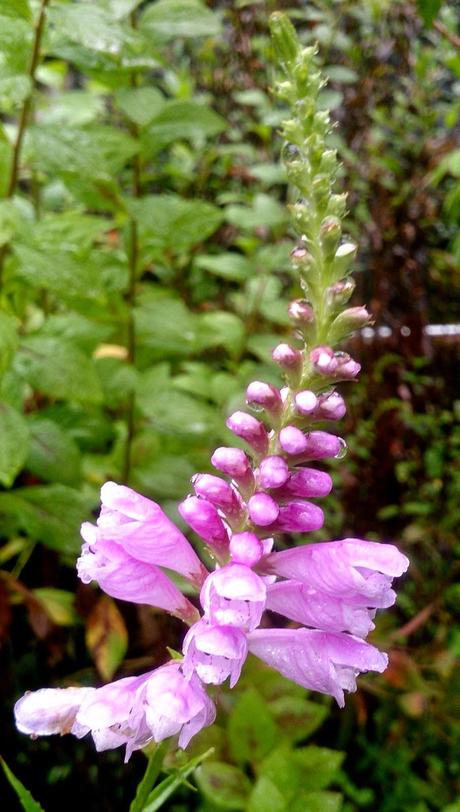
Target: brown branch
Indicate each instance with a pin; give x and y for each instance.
(454, 39)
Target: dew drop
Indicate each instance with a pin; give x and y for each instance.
(342, 452)
(290, 153)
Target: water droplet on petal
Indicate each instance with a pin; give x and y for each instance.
(342, 452)
(290, 153)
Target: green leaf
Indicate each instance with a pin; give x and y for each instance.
(73, 108)
(58, 369)
(91, 153)
(166, 326)
(317, 802)
(26, 800)
(178, 414)
(155, 755)
(51, 514)
(230, 265)
(53, 455)
(58, 604)
(226, 786)
(8, 341)
(140, 104)
(252, 732)
(266, 796)
(222, 329)
(297, 717)
(60, 272)
(183, 120)
(13, 90)
(121, 8)
(14, 443)
(15, 8)
(170, 223)
(428, 10)
(90, 26)
(168, 19)
(263, 212)
(319, 765)
(9, 219)
(166, 788)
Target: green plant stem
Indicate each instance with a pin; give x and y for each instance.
(131, 294)
(152, 771)
(24, 116)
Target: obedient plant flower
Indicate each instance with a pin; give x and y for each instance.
(333, 589)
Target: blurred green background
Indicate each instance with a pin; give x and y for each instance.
(144, 279)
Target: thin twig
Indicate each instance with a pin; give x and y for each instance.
(454, 39)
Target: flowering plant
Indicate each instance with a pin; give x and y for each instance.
(332, 589)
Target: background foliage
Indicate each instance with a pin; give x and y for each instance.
(144, 279)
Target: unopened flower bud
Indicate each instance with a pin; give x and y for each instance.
(331, 232)
(263, 510)
(287, 357)
(302, 260)
(340, 292)
(204, 519)
(292, 440)
(343, 258)
(316, 445)
(284, 39)
(347, 368)
(323, 360)
(246, 548)
(331, 406)
(353, 318)
(249, 429)
(231, 461)
(305, 401)
(273, 472)
(264, 395)
(217, 491)
(301, 311)
(306, 482)
(298, 517)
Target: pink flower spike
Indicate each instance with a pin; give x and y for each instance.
(246, 548)
(173, 704)
(214, 653)
(234, 596)
(306, 401)
(251, 430)
(122, 576)
(141, 528)
(273, 472)
(263, 510)
(317, 660)
(305, 482)
(354, 570)
(306, 605)
(298, 517)
(204, 519)
(264, 395)
(50, 710)
(218, 492)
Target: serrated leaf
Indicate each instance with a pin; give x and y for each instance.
(224, 785)
(58, 604)
(53, 456)
(319, 765)
(229, 265)
(58, 369)
(266, 796)
(141, 104)
(28, 803)
(90, 26)
(169, 19)
(60, 272)
(222, 329)
(14, 443)
(73, 108)
(96, 152)
(297, 717)
(179, 414)
(183, 120)
(51, 514)
(252, 731)
(106, 636)
(8, 340)
(170, 223)
(165, 325)
(263, 212)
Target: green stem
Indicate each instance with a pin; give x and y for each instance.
(153, 769)
(24, 116)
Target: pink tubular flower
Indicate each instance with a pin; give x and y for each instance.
(316, 445)
(140, 527)
(330, 406)
(306, 605)
(320, 661)
(353, 569)
(214, 653)
(234, 596)
(306, 401)
(50, 710)
(297, 517)
(204, 519)
(122, 576)
(172, 704)
(273, 472)
(263, 510)
(217, 491)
